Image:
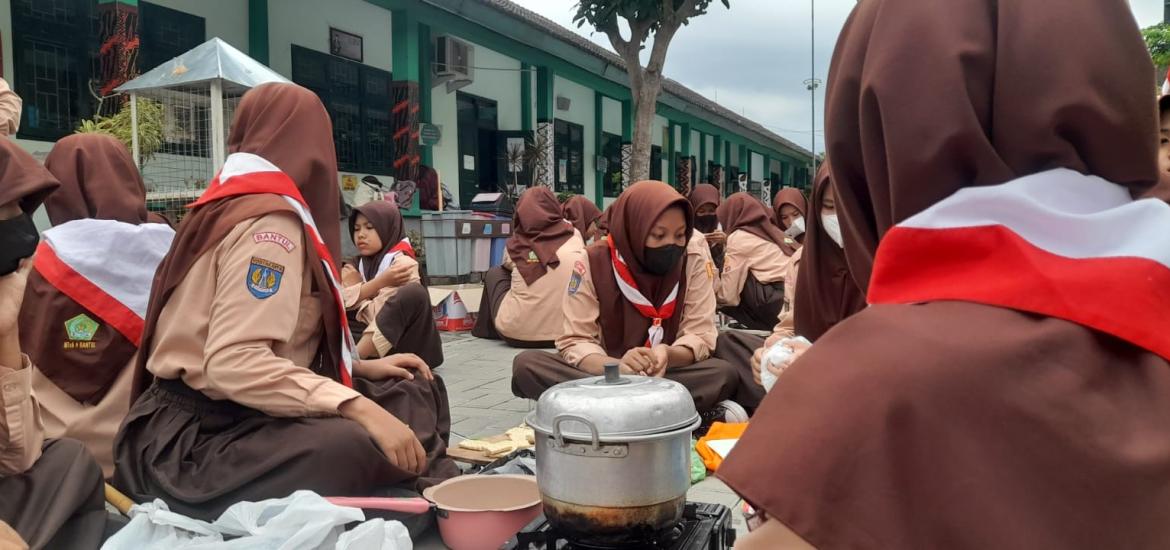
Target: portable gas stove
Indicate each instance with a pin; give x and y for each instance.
(703, 527)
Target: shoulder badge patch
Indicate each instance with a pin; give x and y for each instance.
(274, 238)
(263, 277)
(574, 283)
(579, 267)
(710, 270)
(80, 330)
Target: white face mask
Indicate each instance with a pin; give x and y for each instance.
(796, 229)
(833, 228)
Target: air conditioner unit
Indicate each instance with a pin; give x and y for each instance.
(454, 63)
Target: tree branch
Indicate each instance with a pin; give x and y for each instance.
(611, 29)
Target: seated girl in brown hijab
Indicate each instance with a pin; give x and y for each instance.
(388, 308)
(248, 388)
(522, 299)
(584, 215)
(82, 315)
(51, 492)
(637, 299)
(790, 207)
(991, 396)
(755, 259)
(705, 199)
(818, 289)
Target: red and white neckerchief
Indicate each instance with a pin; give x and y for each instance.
(401, 247)
(106, 266)
(1057, 243)
(248, 174)
(629, 288)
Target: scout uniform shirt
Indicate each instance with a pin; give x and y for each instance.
(696, 330)
(534, 313)
(95, 425)
(9, 110)
(367, 310)
(21, 429)
(786, 327)
(699, 251)
(246, 321)
(748, 253)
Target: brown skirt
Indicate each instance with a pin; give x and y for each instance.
(60, 501)
(407, 322)
(737, 348)
(759, 304)
(201, 456)
(709, 381)
(497, 282)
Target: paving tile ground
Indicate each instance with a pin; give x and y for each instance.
(478, 375)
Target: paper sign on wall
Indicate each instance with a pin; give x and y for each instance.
(349, 182)
(469, 162)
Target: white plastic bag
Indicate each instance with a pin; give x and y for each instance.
(376, 534)
(303, 520)
(780, 353)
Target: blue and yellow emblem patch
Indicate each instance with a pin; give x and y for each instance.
(263, 279)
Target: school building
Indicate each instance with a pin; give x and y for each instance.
(451, 84)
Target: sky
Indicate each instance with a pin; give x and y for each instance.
(755, 57)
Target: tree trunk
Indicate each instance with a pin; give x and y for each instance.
(645, 107)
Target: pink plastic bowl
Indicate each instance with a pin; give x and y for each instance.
(483, 512)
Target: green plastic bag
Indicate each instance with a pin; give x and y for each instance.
(698, 469)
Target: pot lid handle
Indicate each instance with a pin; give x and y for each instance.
(613, 376)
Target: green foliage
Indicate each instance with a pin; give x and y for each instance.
(1158, 41)
(564, 196)
(604, 13)
(120, 125)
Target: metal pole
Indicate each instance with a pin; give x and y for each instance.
(134, 147)
(813, 77)
(217, 127)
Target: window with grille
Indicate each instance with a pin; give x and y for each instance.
(55, 48)
(53, 56)
(656, 163)
(569, 149)
(357, 98)
(611, 149)
(164, 34)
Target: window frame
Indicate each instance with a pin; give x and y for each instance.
(360, 134)
(565, 149)
(78, 41)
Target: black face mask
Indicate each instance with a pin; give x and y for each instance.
(707, 223)
(18, 240)
(659, 261)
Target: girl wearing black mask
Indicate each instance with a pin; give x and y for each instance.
(51, 492)
(705, 199)
(640, 300)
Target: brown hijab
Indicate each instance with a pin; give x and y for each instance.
(581, 212)
(989, 428)
(98, 180)
(826, 292)
(287, 125)
(793, 197)
(22, 178)
(387, 222)
(538, 231)
(704, 194)
(743, 211)
(632, 217)
(603, 221)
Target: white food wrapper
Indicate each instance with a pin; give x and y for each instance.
(778, 354)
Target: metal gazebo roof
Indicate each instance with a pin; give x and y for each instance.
(211, 60)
